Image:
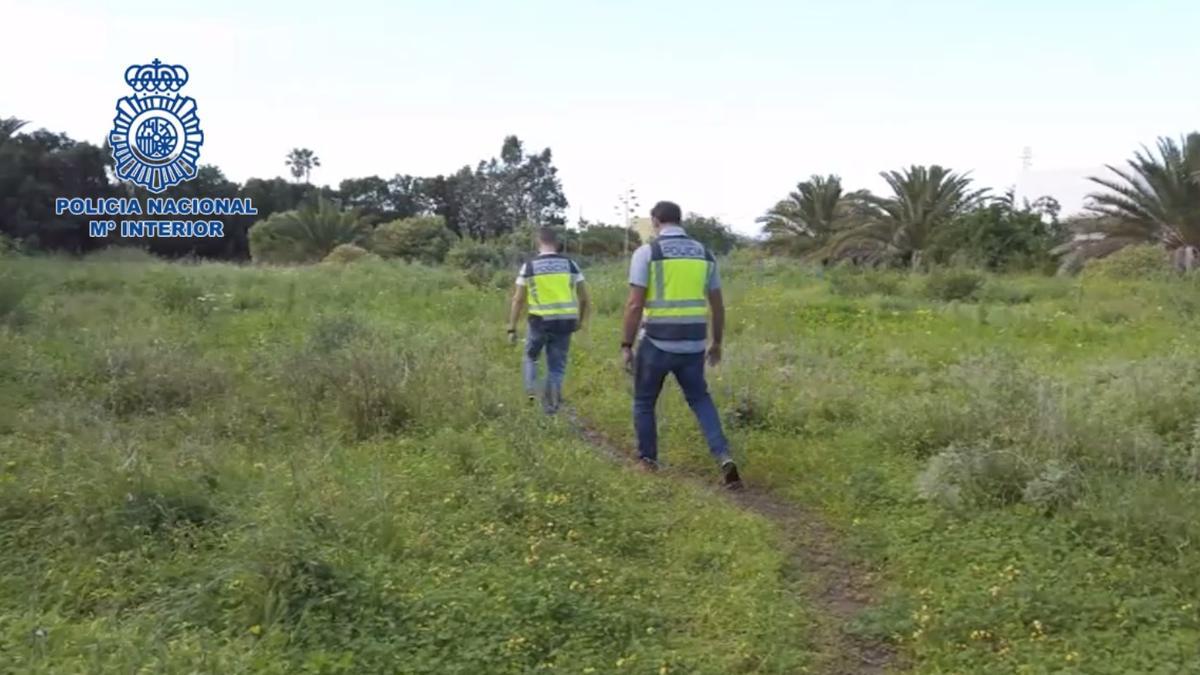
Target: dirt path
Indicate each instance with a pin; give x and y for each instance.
(837, 585)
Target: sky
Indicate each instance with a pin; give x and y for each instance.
(719, 106)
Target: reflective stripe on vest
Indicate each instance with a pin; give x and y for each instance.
(548, 288)
(676, 299)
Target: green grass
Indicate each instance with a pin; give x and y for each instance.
(1023, 473)
(207, 468)
(216, 469)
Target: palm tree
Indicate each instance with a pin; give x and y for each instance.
(302, 161)
(901, 226)
(306, 234)
(1155, 199)
(9, 127)
(812, 213)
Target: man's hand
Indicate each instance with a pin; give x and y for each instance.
(627, 359)
(714, 354)
(512, 336)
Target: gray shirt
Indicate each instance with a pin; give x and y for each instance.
(639, 275)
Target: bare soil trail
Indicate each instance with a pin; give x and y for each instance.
(837, 585)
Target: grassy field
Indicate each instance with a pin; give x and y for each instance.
(331, 469)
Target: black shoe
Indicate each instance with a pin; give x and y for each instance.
(646, 464)
(551, 400)
(729, 475)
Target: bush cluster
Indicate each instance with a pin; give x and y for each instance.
(953, 285)
(1141, 261)
(855, 282)
(344, 254)
(154, 377)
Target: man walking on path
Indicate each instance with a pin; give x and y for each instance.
(673, 284)
(551, 286)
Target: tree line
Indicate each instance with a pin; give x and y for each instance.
(933, 215)
(930, 215)
(483, 202)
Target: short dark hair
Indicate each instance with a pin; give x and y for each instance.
(547, 235)
(666, 212)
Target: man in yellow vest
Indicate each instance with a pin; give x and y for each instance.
(673, 286)
(551, 286)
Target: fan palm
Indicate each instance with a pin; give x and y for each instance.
(1155, 199)
(812, 213)
(301, 162)
(306, 234)
(901, 226)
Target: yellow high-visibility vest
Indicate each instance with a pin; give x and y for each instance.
(677, 295)
(549, 289)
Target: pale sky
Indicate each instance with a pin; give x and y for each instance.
(721, 107)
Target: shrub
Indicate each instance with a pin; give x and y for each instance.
(422, 239)
(1141, 261)
(503, 279)
(137, 379)
(467, 254)
(293, 584)
(122, 254)
(329, 334)
(246, 301)
(363, 383)
(177, 293)
(1005, 294)
(853, 283)
(1056, 485)
(345, 254)
(8, 246)
(306, 234)
(972, 476)
(14, 290)
(746, 413)
(155, 511)
(981, 400)
(982, 476)
(953, 285)
(715, 235)
(480, 261)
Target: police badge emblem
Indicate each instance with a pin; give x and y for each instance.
(156, 134)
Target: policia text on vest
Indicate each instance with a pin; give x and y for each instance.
(676, 303)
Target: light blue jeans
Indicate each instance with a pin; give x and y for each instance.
(556, 346)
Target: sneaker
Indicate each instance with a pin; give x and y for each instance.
(646, 464)
(729, 475)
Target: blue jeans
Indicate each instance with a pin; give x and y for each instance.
(556, 346)
(651, 367)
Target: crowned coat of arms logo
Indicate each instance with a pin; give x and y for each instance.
(156, 134)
